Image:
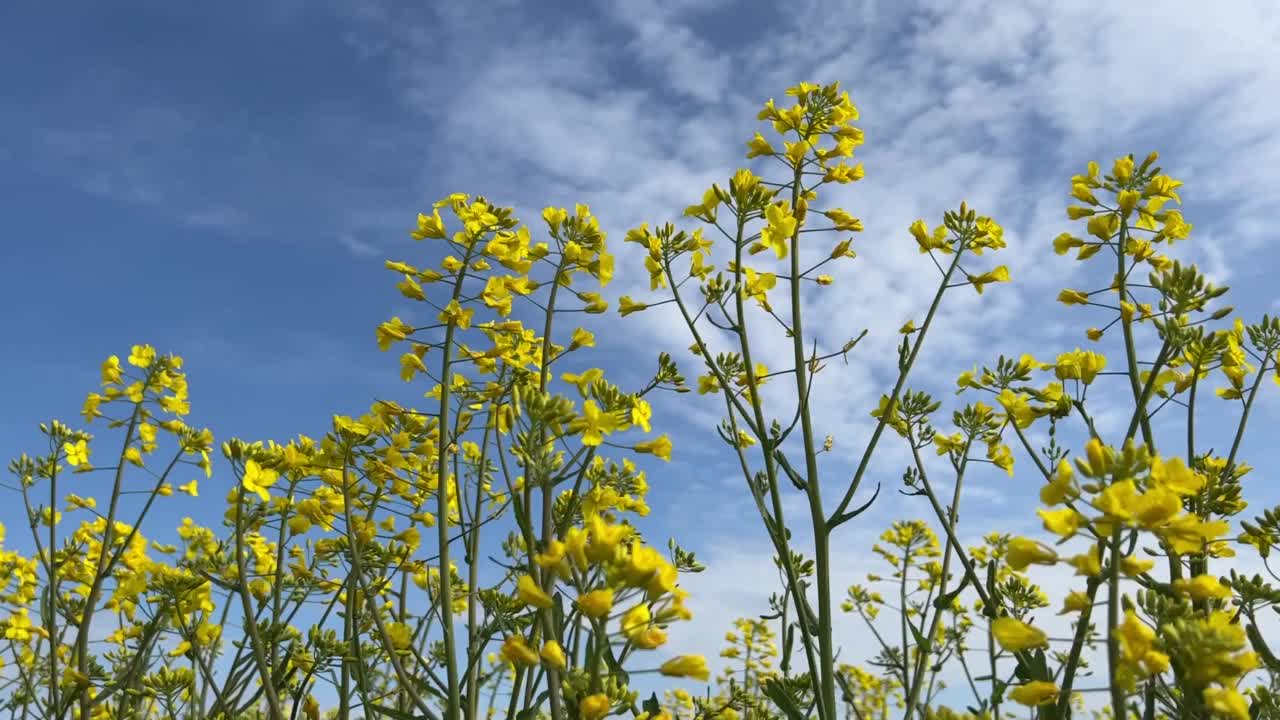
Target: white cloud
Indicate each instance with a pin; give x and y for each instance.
(685, 61)
(356, 246)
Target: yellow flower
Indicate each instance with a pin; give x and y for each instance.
(659, 446)
(582, 338)
(844, 173)
(1017, 407)
(1082, 365)
(596, 604)
(553, 654)
(1064, 523)
(517, 652)
(707, 209)
(1133, 567)
(967, 380)
(1063, 243)
(1073, 297)
(1000, 455)
(429, 227)
(142, 356)
(391, 332)
(111, 371)
(649, 638)
(528, 592)
(1025, 551)
(400, 635)
(583, 380)
(18, 627)
(1075, 601)
(594, 303)
(1061, 486)
(1137, 650)
(1089, 564)
(641, 413)
(626, 306)
(1015, 635)
(554, 217)
(759, 146)
(410, 288)
(1202, 587)
(593, 423)
(604, 539)
(1122, 170)
(257, 479)
(75, 501)
(635, 620)
(1118, 500)
(1103, 226)
(999, 274)
(758, 285)
(1176, 476)
(1037, 692)
(948, 443)
(455, 314)
(594, 707)
(1188, 533)
(1127, 200)
(553, 558)
(776, 235)
(693, 666)
(1226, 702)
(575, 546)
(935, 241)
(795, 151)
(1081, 192)
(77, 453)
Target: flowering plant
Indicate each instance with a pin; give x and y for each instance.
(481, 556)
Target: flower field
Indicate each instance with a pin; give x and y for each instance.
(482, 553)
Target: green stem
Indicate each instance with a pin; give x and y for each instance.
(95, 588)
(453, 702)
(549, 630)
(840, 516)
(821, 531)
(250, 621)
(755, 421)
(1113, 620)
(913, 690)
(1131, 353)
(1077, 647)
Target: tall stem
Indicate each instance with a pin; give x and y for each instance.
(1113, 620)
(102, 569)
(548, 499)
(1130, 351)
(817, 516)
(250, 619)
(452, 708)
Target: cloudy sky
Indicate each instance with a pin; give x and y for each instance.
(224, 180)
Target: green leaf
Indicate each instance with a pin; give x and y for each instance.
(915, 633)
(651, 706)
(394, 713)
(780, 697)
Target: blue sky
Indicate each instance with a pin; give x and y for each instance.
(223, 180)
